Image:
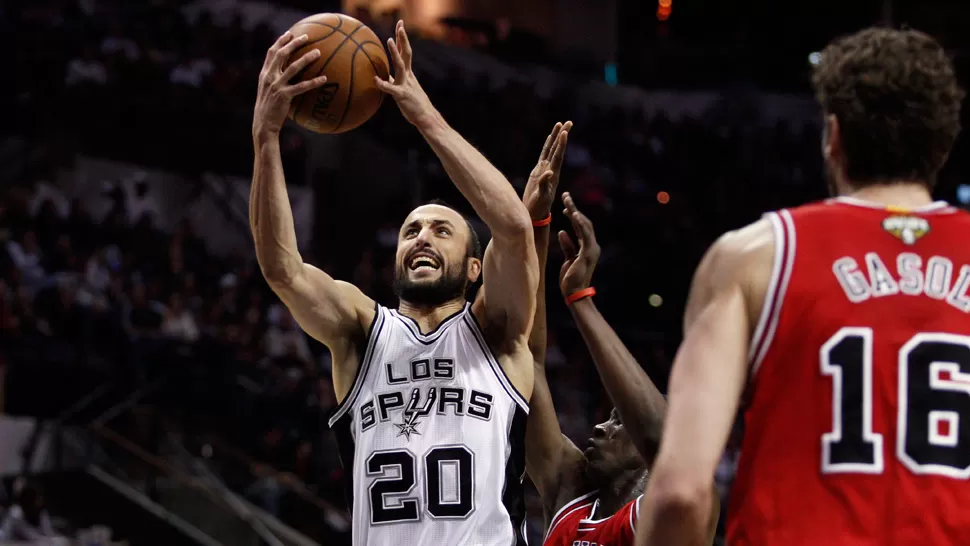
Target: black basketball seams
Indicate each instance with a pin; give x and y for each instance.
(322, 38)
(299, 99)
(333, 30)
(299, 103)
(338, 29)
(350, 91)
(360, 47)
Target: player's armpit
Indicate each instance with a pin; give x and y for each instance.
(708, 378)
(335, 313)
(327, 309)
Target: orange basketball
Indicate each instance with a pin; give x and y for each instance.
(350, 56)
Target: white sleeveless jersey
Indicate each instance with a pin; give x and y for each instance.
(432, 436)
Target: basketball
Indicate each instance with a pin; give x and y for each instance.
(350, 56)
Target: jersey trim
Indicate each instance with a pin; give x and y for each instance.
(496, 367)
(513, 490)
(415, 331)
(568, 508)
(589, 520)
(784, 232)
(635, 515)
(935, 206)
(343, 430)
(375, 333)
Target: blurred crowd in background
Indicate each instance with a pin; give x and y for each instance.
(87, 300)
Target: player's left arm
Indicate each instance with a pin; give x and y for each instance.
(554, 463)
(510, 269)
(706, 384)
(637, 400)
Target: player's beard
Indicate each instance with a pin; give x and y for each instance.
(449, 286)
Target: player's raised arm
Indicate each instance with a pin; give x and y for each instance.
(331, 311)
(548, 454)
(708, 378)
(637, 400)
(510, 272)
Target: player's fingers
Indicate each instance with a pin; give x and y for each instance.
(574, 216)
(550, 138)
(280, 42)
(580, 236)
(545, 149)
(399, 66)
(567, 245)
(297, 66)
(559, 151)
(402, 37)
(283, 53)
(553, 141)
(291, 46)
(546, 177)
(304, 86)
(567, 201)
(585, 226)
(386, 86)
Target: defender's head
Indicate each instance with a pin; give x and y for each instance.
(611, 451)
(438, 256)
(892, 108)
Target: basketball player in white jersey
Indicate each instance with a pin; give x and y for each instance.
(433, 395)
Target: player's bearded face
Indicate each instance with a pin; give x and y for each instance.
(417, 285)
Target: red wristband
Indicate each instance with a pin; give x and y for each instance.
(544, 222)
(580, 294)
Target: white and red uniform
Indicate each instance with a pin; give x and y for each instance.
(857, 432)
(576, 525)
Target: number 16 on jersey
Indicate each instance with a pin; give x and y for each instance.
(933, 404)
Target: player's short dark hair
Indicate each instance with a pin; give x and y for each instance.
(897, 101)
(474, 242)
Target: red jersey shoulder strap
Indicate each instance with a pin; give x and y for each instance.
(783, 228)
(567, 509)
(635, 514)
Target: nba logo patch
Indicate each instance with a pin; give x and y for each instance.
(907, 229)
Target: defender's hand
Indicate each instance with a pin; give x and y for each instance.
(540, 190)
(577, 270)
(275, 92)
(403, 86)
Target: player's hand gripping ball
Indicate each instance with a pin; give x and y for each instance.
(350, 55)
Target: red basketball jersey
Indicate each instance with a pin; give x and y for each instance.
(575, 524)
(857, 429)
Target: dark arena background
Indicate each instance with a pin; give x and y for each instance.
(153, 388)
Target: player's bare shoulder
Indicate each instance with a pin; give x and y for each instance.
(742, 258)
(363, 306)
